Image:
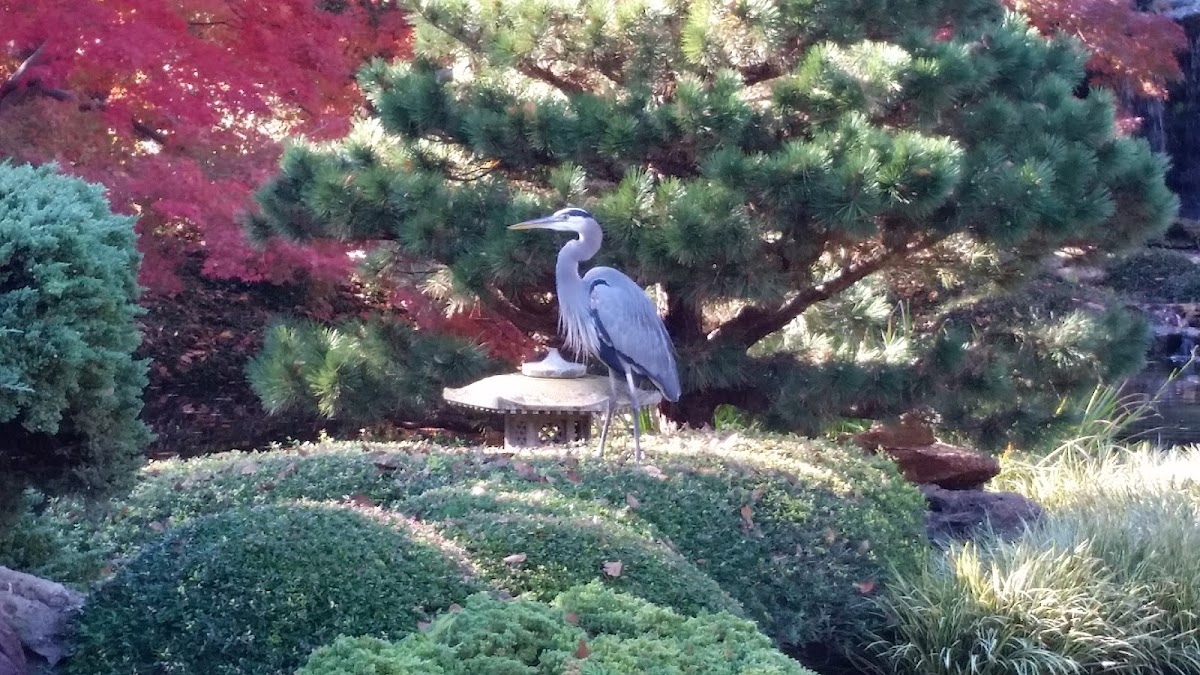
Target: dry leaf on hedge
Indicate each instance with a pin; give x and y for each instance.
(654, 472)
(572, 618)
(613, 568)
(515, 559)
(582, 651)
(632, 501)
(525, 470)
(359, 499)
(865, 586)
(386, 464)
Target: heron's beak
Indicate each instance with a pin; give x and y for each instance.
(536, 223)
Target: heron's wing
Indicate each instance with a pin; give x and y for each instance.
(628, 323)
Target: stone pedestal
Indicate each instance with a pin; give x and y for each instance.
(549, 402)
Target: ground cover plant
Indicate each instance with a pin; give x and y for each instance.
(251, 591)
(537, 545)
(1110, 580)
(587, 629)
(798, 534)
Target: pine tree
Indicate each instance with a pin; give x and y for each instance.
(751, 161)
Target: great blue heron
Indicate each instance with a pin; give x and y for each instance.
(606, 315)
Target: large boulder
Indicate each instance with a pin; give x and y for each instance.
(963, 514)
(12, 654)
(923, 459)
(36, 610)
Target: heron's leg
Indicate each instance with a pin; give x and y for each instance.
(637, 416)
(608, 410)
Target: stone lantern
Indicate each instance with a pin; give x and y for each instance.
(548, 402)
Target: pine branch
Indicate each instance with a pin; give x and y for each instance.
(550, 77)
(753, 323)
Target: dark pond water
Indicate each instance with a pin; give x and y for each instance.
(1176, 403)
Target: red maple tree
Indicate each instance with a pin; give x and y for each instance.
(179, 107)
(1133, 52)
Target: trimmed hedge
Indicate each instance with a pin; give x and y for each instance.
(800, 533)
(256, 590)
(590, 629)
(70, 390)
(536, 544)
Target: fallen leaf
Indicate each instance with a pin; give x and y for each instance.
(654, 472)
(249, 468)
(572, 618)
(266, 486)
(864, 546)
(158, 526)
(286, 471)
(757, 494)
(582, 651)
(386, 464)
(422, 626)
(498, 459)
(455, 607)
(525, 470)
(747, 515)
(830, 536)
(515, 559)
(865, 586)
(613, 568)
(632, 501)
(573, 477)
(359, 499)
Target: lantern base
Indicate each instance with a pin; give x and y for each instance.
(533, 430)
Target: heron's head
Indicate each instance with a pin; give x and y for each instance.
(563, 220)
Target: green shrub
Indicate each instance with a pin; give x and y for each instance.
(590, 629)
(89, 538)
(562, 542)
(68, 290)
(1111, 579)
(798, 532)
(360, 371)
(256, 590)
(1156, 275)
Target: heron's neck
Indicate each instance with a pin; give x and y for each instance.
(573, 300)
(577, 251)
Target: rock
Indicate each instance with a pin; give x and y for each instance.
(923, 459)
(910, 432)
(37, 611)
(948, 466)
(12, 653)
(963, 514)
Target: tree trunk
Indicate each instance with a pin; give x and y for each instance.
(696, 408)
